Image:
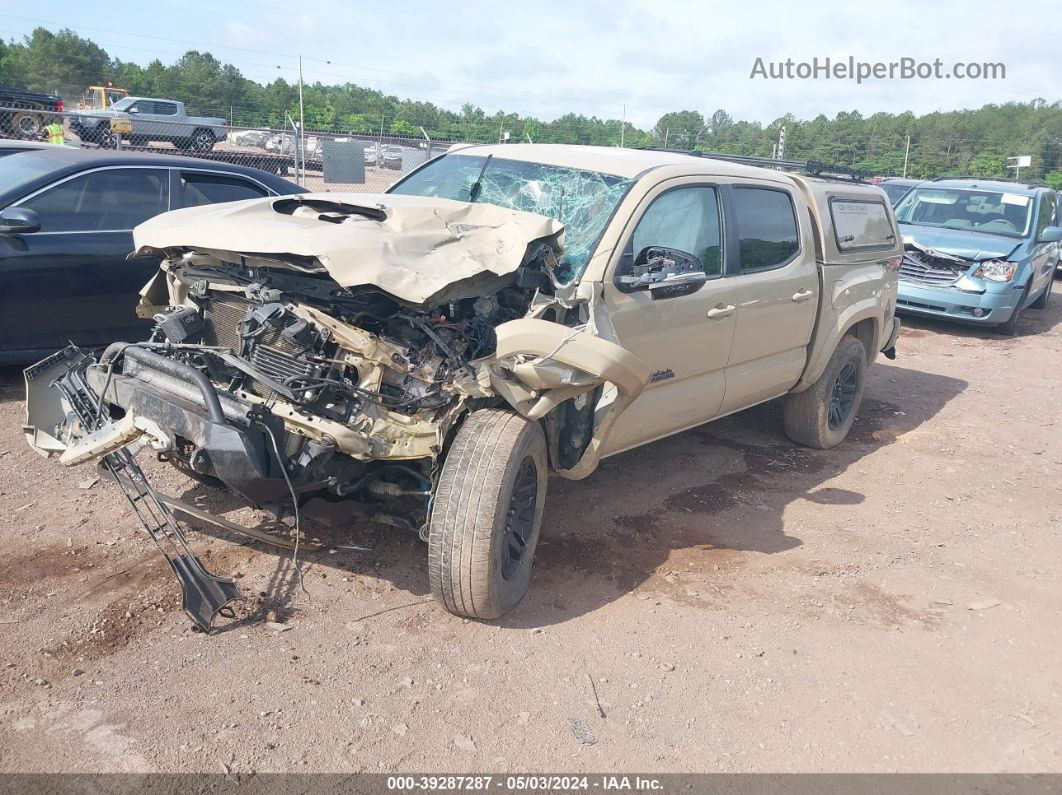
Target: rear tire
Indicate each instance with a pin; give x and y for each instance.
(26, 123)
(822, 415)
(486, 514)
(202, 141)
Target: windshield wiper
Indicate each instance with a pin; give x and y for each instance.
(477, 186)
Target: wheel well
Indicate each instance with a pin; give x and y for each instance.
(866, 331)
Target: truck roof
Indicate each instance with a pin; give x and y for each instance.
(618, 161)
(154, 99)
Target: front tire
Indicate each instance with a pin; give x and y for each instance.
(1010, 327)
(1045, 297)
(105, 138)
(486, 514)
(822, 415)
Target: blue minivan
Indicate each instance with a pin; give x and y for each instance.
(978, 250)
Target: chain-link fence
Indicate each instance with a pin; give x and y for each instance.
(319, 161)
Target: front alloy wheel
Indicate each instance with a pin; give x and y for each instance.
(486, 514)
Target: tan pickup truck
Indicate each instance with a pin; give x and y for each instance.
(430, 355)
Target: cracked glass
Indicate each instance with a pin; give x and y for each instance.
(581, 200)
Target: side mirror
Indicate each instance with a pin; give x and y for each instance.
(19, 221)
(1051, 234)
(133, 109)
(664, 272)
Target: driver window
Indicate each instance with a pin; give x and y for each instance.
(686, 219)
(1047, 212)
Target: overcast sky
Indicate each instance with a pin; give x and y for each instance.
(550, 58)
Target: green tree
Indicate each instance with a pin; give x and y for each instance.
(681, 129)
(60, 62)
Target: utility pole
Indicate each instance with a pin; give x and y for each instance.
(779, 150)
(623, 125)
(302, 121)
(667, 132)
(906, 152)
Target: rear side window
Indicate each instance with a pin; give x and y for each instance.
(165, 109)
(109, 200)
(766, 228)
(197, 189)
(686, 219)
(861, 225)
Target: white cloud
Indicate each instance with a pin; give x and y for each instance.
(550, 58)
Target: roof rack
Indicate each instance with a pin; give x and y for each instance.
(814, 168)
(1029, 183)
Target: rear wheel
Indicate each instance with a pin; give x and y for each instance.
(26, 123)
(822, 415)
(202, 141)
(486, 514)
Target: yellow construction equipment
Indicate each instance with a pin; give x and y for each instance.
(101, 97)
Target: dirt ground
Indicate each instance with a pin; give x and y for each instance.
(718, 601)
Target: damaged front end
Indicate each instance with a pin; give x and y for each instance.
(285, 377)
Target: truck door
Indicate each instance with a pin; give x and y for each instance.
(773, 280)
(154, 121)
(685, 340)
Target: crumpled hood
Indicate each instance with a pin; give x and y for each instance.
(416, 248)
(959, 243)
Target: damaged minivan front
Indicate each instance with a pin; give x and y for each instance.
(364, 348)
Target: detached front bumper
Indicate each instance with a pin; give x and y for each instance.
(992, 306)
(215, 434)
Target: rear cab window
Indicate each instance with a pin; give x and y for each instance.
(766, 226)
(861, 224)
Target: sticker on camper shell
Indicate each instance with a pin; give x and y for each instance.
(1015, 198)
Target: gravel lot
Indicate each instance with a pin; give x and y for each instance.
(717, 601)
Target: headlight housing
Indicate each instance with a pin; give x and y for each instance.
(996, 270)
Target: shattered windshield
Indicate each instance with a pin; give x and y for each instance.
(581, 200)
(989, 212)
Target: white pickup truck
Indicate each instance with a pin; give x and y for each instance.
(150, 120)
(431, 355)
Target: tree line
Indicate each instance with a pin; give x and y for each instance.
(974, 142)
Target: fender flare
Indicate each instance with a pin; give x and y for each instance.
(551, 363)
(869, 309)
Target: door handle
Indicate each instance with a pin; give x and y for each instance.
(718, 312)
(802, 295)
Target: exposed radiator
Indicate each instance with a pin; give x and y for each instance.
(221, 322)
(918, 268)
(272, 352)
